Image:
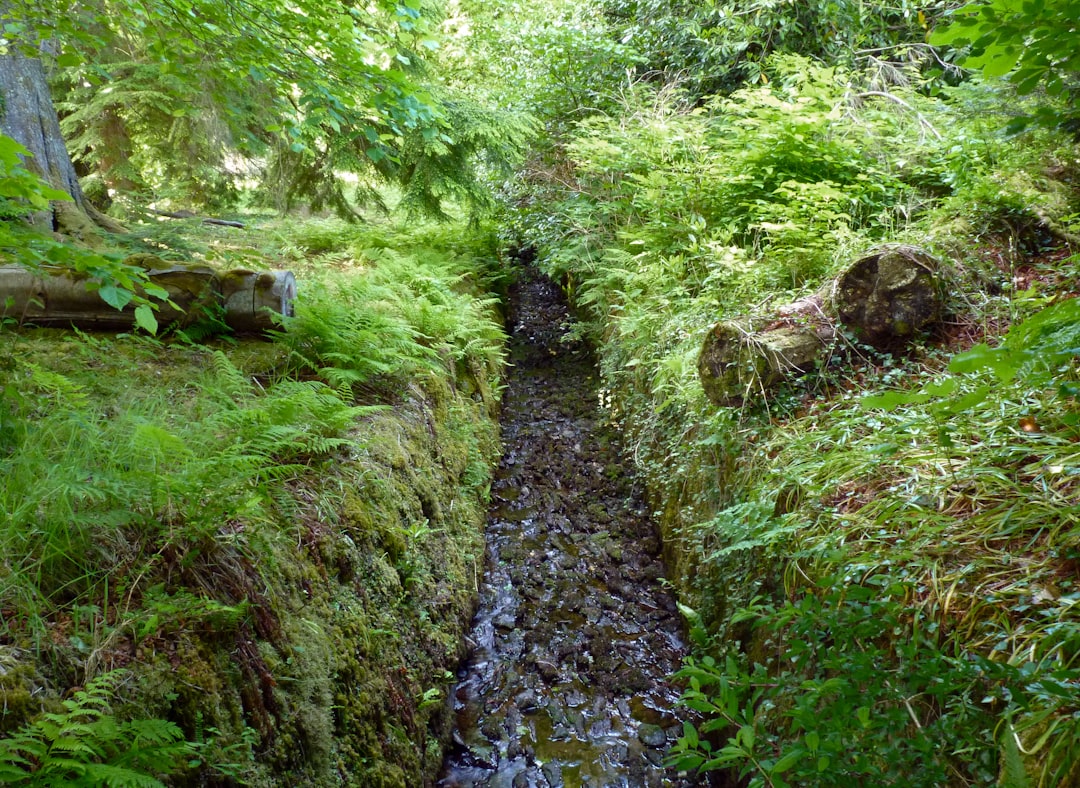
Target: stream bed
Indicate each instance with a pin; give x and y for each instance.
(565, 685)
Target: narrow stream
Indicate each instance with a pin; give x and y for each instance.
(565, 686)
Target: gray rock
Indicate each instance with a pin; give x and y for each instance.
(652, 735)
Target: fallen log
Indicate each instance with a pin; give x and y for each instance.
(884, 298)
(185, 214)
(743, 359)
(55, 297)
(252, 299)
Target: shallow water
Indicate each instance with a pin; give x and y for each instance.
(575, 635)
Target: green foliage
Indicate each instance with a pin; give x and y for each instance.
(720, 46)
(85, 745)
(443, 166)
(565, 65)
(400, 314)
(68, 469)
(1029, 42)
(148, 132)
(851, 687)
(908, 561)
(1038, 349)
(293, 98)
(345, 343)
(781, 173)
(22, 192)
(677, 216)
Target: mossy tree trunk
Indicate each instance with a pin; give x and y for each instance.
(28, 116)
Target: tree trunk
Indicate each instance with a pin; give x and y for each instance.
(885, 298)
(29, 117)
(248, 300)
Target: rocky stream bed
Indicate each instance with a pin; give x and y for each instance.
(565, 686)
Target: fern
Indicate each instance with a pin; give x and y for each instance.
(348, 332)
(85, 745)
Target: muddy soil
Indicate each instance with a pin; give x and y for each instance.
(565, 686)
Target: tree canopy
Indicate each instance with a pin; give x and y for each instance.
(177, 98)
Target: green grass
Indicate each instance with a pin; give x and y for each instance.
(220, 518)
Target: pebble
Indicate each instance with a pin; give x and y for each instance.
(652, 735)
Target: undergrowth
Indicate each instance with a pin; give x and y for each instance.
(881, 590)
(216, 517)
(85, 745)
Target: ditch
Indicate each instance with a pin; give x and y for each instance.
(575, 634)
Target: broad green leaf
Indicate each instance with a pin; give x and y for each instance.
(114, 296)
(690, 735)
(959, 31)
(1002, 61)
(891, 400)
(155, 291)
(68, 59)
(144, 317)
(1002, 362)
(745, 736)
(787, 762)
(963, 403)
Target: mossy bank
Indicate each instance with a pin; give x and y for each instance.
(275, 543)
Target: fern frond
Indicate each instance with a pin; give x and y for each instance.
(87, 745)
(229, 380)
(105, 774)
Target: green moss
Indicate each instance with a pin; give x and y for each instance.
(19, 683)
(356, 586)
(151, 262)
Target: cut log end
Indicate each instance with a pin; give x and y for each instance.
(888, 296)
(253, 301)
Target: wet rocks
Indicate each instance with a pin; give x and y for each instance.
(652, 735)
(574, 635)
